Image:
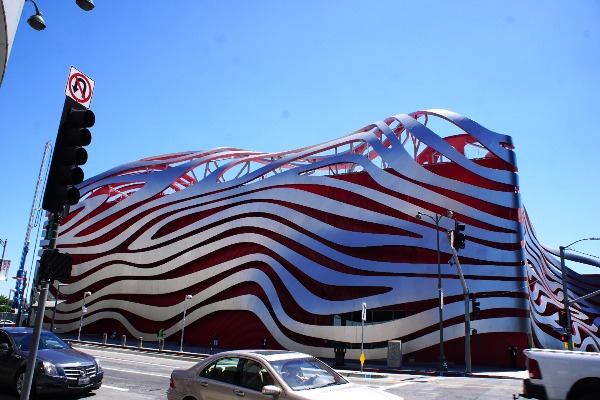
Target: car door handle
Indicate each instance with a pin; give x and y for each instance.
(203, 383)
(239, 393)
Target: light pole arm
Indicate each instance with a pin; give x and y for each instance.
(580, 240)
(587, 296)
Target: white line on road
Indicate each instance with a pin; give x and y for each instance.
(136, 372)
(405, 383)
(115, 388)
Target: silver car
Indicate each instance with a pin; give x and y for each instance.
(264, 374)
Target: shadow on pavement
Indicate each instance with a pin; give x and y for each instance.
(4, 395)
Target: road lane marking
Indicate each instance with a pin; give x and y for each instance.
(404, 383)
(397, 385)
(136, 372)
(115, 388)
(136, 362)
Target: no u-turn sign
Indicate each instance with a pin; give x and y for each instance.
(79, 87)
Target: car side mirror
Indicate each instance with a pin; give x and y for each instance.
(4, 347)
(271, 390)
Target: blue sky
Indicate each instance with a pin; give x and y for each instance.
(277, 75)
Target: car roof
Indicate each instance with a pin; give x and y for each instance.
(267, 355)
(19, 329)
(16, 329)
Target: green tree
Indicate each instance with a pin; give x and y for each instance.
(5, 304)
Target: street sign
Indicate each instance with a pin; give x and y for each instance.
(364, 311)
(4, 267)
(79, 87)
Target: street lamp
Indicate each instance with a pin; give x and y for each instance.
(566, 301)
(83, 310)
(442, 367)
(36, 21)
(189, 296)
(85, 5)
(56, 305)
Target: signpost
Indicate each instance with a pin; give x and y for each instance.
(362, 335)
(80, 87)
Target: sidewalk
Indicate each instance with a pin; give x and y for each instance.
(371, 370)
(352, 368)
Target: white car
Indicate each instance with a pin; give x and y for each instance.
(562, 374)
(256, 374)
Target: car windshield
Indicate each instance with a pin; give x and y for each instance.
(306, 373)
(47, 341)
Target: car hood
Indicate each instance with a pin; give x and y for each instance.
(64, 356)
(346, 392)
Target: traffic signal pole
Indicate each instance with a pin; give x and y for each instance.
(566, 301)
(566, 298)
(63, 176)
(39, 319)
(466, 300)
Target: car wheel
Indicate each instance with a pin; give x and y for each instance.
(588, 396)
(20, 382)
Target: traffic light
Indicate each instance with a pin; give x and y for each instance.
(55, 265)
(476, 309)
(459, 237)
(562, 318)
(68, 155)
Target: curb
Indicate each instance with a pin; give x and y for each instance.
(183, 354)
(348, 370)
(351, 370)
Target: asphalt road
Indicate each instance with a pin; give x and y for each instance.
(135, 376)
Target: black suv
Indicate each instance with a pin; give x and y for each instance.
(59, 367)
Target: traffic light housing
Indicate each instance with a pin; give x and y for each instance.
(55, 265)
(459, 236)
(476, 310)
(68, 155)
(562, 318)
